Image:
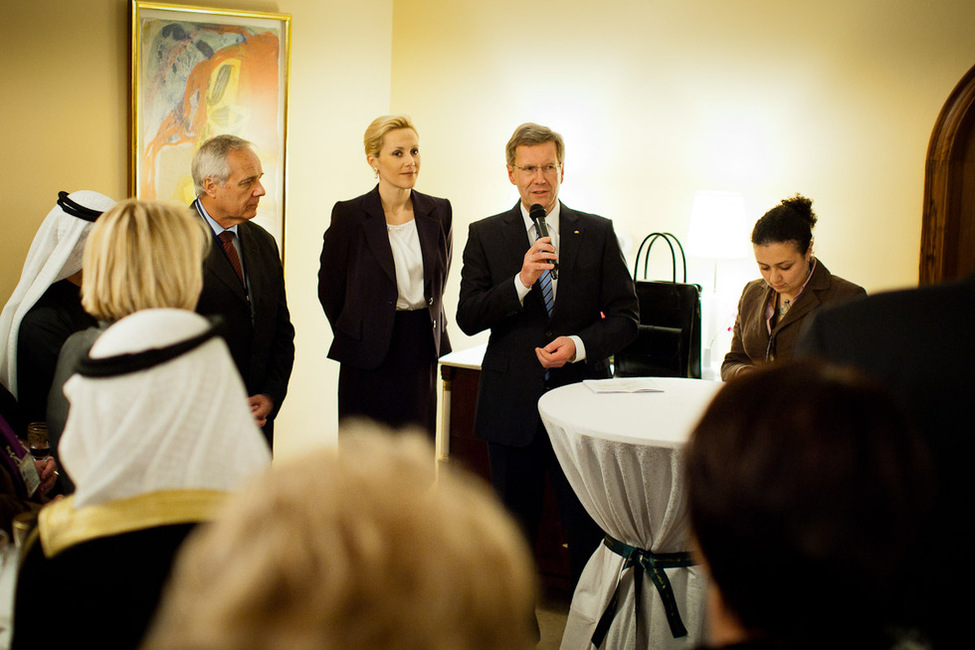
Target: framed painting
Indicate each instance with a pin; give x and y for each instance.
(199, 72)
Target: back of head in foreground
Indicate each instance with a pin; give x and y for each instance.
(139, 255)
(808, 492)
(155, 415)
(143, 255)
(159, 434)
(360, 547)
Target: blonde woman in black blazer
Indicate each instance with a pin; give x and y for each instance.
(383, 269)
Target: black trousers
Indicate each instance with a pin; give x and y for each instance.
(518, 477)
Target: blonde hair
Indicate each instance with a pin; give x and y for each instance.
(530, 134)
(359, 548)
(143, 254)
(376, 132)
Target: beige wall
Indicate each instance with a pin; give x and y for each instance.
(657, 99)
(63, 112)
(64, 109)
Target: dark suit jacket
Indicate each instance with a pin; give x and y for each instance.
(357, 278)
(258, 326)
(919, 344)
(751, 336)
(595, 300)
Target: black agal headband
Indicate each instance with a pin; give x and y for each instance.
(76, 209)
(124, 364)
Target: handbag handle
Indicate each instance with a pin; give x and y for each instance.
(671, 240)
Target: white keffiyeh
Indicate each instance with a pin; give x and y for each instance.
(55, 254)
(184, 424)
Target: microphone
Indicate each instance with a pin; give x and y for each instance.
(537, 214)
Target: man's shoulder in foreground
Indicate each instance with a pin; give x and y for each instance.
(939, 302)
(931, 321)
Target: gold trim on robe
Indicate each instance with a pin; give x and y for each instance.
(61, 526)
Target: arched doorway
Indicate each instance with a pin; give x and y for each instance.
(948, 226)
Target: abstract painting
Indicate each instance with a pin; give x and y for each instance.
(200, 72)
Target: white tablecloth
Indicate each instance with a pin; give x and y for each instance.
(622, 455)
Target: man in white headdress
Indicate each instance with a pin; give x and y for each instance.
(158, 435)
(45, 308)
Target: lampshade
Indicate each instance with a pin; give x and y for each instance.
(718, 228)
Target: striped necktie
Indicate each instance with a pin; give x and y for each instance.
(227, 240)
(548, 295)
(548, 292)
(545, 284)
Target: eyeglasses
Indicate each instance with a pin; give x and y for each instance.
(548, 170)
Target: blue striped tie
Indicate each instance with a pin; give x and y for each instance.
(548, 295)
(545, 283)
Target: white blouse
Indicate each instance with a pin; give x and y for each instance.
(408, 260)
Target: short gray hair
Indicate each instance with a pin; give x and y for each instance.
(210, 160)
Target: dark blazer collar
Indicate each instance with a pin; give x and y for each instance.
(571, 232)
(565, 212)
(216, 260)
(514, 215)
(196, 205)
(821, 278)
(568, 218)
(209, 220)
(429, 229)
(427, 226)
(569, 221)
(374, 231)
(513, 231)
(422, 205)
(373, 205)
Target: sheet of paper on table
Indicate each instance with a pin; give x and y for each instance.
(622, 385)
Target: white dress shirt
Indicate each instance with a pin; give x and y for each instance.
(408, 261)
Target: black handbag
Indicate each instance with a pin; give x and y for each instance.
(669, 340)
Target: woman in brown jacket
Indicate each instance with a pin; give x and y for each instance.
(772, 310)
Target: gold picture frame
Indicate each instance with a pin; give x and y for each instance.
(198, 72)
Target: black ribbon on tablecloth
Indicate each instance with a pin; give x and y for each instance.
(653, 564)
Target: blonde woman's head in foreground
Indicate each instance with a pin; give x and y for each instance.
(143, 255)
(359, 547)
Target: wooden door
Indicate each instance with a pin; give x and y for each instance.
(948, 227)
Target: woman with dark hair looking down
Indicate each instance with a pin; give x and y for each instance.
(794, 283)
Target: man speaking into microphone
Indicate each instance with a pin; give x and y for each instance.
(551, 285)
